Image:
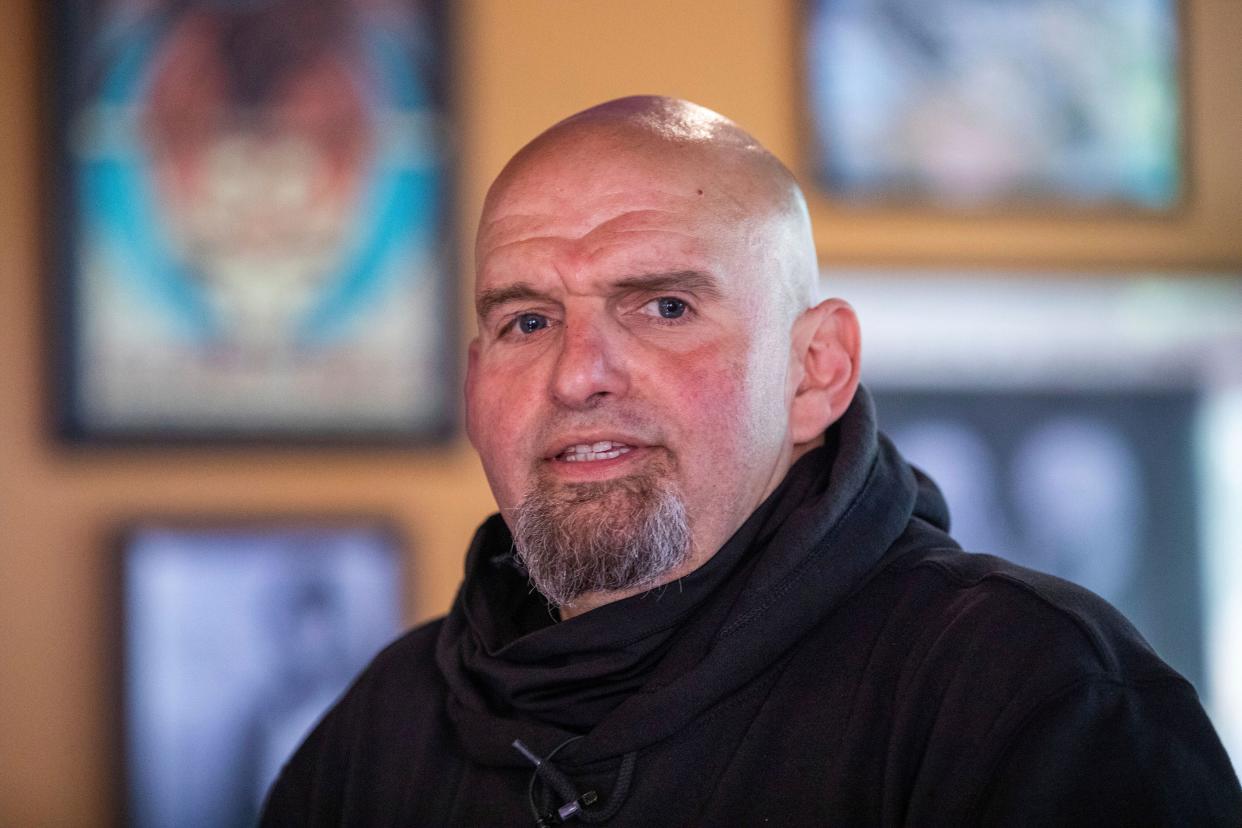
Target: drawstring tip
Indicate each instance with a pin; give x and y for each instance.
(570, 809)
(521, 748)
(557, 781)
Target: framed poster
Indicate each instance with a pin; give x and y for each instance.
(235, 640)
(976, 103)
(252, 233)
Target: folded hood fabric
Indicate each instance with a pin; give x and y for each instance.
(632, 672)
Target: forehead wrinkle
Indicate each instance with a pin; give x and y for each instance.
(582, 219)
(631, 221)
(521, 242)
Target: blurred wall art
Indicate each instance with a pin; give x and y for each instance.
(978, 103)
(253, 236)
(236, 639)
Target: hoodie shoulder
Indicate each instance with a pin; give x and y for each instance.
(1003, 693)
(392, 713)
(1033, 612)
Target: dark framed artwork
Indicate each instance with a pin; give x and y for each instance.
(252, 234)
(236, 638)
(975, 103)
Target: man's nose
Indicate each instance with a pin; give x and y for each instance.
(589, 367)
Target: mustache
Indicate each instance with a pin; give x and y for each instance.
(622, 421)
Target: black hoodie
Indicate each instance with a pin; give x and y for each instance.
(840, 661)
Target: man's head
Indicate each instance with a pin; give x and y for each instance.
(649, 360)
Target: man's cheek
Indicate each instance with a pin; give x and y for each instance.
(497, 399)
(508, 481)
(709, 383)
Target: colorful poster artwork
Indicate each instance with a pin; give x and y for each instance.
(258, 210)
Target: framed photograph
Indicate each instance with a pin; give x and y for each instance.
(253, 223)
(975, 103)
(235, 641)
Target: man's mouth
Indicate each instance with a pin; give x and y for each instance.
(584, 452)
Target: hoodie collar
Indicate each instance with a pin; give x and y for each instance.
(634, 671)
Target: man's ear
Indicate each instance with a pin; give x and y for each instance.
(472, 360)
(826, 345)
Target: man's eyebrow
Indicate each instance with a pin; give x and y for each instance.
(691, 281)
(492, 298)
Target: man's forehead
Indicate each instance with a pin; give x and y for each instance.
(664, 138)
(563, 178)
(701, 284)
(646, 169)
(590, 243)
(605, 194)
(593, 222)
(630, 153)
(603, 260)
(601, 194)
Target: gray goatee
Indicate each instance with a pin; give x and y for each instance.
(601, 537)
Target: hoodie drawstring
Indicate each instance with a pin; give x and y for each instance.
(575, 805)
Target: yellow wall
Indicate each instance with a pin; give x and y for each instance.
(521, 64)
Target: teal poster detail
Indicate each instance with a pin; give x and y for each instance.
(258, 190)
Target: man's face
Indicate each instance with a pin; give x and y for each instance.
(632, 333)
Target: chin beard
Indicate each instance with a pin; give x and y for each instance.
(601, 537)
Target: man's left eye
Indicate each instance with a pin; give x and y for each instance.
(670, 308)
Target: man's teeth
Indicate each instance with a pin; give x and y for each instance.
(603, 450)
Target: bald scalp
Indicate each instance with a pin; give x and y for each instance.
(663, 134)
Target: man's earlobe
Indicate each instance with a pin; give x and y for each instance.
(827, 345)
(472, 357)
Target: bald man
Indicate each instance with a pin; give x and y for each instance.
(713, 594)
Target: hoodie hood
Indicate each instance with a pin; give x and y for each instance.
(634, 672)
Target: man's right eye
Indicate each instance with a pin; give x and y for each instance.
(528, 323)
